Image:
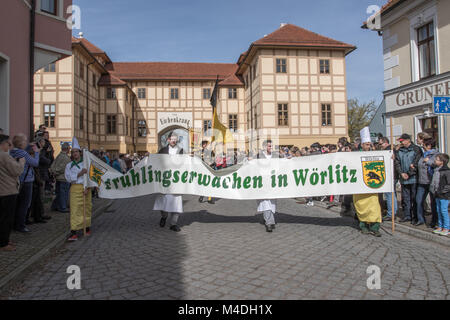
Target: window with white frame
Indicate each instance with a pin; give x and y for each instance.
(426, 49)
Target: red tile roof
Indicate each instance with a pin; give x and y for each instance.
(110, 80)
(93, 49)
(89, 45)
(291, 35)
(174, 71)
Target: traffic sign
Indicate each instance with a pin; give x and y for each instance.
(441, 105)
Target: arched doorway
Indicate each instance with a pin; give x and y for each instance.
(183, 138)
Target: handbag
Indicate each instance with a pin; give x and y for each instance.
(22, 183)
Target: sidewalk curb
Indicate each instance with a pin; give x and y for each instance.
(59, 241)
(420, 234)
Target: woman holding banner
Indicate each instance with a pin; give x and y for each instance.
(80, 197)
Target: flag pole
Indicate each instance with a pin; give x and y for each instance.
(84, 190)
(393, 182)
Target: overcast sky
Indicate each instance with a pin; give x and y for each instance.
(219, 31)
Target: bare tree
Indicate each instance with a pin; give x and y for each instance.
(359, 116)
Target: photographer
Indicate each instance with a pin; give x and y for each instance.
(10, 170)
(26, 179)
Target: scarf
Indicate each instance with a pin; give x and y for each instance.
(74, 163)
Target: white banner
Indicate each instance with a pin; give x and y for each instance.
(318, 175)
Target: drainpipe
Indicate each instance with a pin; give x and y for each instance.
(133, 102)
(87, 105)
(251, 106)
(31, 70)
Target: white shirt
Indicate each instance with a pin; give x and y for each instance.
(72, 171)
(173, 150)
(267, 205)
(169, 202)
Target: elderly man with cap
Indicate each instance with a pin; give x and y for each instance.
(80, 198)
(367, 206)
(58, 170)
(407, 163)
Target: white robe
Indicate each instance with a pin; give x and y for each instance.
(267, 205)
(169, 202)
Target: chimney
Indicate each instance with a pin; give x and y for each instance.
(282, 24)
(80, 34)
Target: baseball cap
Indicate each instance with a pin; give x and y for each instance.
(404, 136)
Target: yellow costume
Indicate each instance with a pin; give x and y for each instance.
(77, 207)
(367, 207)
(76, 197)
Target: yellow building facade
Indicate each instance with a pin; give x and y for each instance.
(289, 86)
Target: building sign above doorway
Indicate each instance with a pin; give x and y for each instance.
(170, 119)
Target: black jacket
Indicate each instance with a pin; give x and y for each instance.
(165, 150)
(444, 184)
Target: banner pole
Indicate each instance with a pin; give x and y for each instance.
(84, 212)
(393, 176)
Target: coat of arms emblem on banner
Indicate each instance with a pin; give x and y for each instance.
(374, 171)
(96, 171)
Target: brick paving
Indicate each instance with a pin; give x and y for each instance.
(41, 236)
(223, 252)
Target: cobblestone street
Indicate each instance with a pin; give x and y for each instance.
(224, 252)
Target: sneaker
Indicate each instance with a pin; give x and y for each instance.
(72, 238)
(175, 228)
(88, 232)
(437, 230)
(444, 232)
(310, 204)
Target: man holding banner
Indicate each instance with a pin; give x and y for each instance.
(80, 197)
(367, 206)
(169, 202)
(268, 207)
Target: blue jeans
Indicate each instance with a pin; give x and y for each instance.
(388, 196)
(442, 209)
(422, 192)
(409, 201)
(23, 204)
(62, 196)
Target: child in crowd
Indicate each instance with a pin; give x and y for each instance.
(440, 188)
